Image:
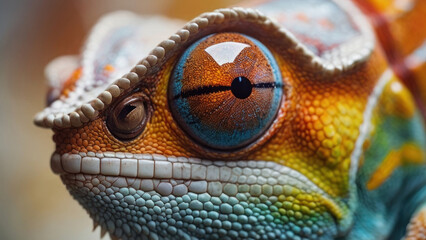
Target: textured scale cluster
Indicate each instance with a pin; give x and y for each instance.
(272, 212)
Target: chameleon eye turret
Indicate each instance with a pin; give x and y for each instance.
(128, 118)
(225, 90)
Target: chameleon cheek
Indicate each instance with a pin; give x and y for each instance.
(225, 91)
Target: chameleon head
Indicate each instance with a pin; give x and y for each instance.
(237, 134)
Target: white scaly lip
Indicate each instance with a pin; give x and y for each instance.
(178, 175)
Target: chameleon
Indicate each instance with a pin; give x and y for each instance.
(268, 120)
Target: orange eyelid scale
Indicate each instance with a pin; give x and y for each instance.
(314, 130)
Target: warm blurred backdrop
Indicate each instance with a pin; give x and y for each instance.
(34, 204)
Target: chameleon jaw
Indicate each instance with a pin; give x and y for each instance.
(117, 187)
(205, 174)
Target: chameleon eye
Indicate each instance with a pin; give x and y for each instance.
(225, 90)
(128, 118)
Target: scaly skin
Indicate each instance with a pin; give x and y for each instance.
(344, 157)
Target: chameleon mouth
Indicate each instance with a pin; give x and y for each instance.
(170, 172)
(169, 193)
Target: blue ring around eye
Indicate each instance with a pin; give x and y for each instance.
(211, 136)
(178, 72)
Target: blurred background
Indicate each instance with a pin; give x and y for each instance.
(34, 203)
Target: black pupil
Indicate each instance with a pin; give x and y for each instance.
(241, 87)
(126, 110)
